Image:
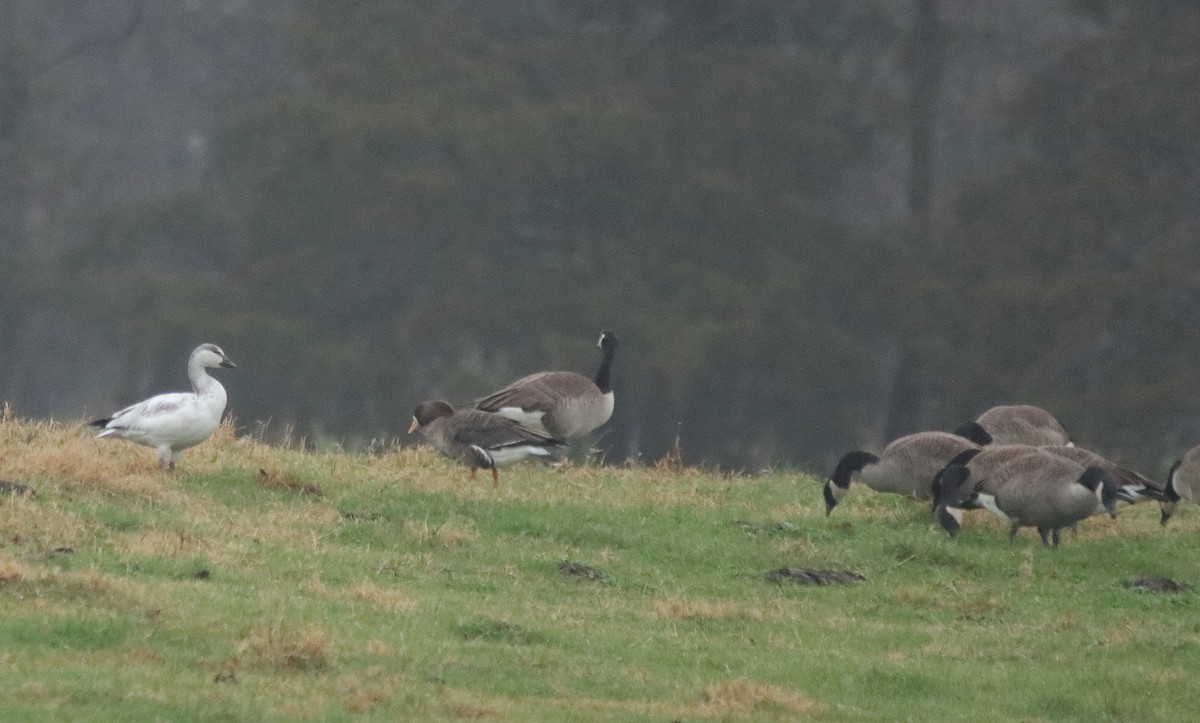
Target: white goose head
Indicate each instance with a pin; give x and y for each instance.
(210, 355)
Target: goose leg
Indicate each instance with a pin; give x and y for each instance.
(1044, 532)
(1012, 532)
(472, 477)
(1056, 535)
(495, 478)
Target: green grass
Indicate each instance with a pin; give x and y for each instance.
(330, 586)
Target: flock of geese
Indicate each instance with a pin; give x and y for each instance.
(1016, 461)
(532, 417)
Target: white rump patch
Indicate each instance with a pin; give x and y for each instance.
(988, 502)
(528, 418)
(508, 455)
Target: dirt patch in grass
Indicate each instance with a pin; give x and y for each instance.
(1153, 583)
(810, 576)
(581, 571)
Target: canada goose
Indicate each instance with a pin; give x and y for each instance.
(1133, 487)
(564, 405)
(1183, 483)
(173, 422)
(1016, 424)
(906, 466)
(980, 467)
(480, 440)
(1045, 491)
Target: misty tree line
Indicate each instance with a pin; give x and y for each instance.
(457, 194)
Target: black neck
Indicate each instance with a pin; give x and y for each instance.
(603, 376)
(851, 463)
(1169, 493)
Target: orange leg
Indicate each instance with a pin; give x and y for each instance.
(473, 474)
(495, 478)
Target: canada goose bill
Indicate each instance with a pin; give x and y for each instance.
(171, 423)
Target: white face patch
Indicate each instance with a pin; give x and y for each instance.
(956, 513)
(837, 492)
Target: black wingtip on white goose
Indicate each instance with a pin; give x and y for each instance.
(563, 405)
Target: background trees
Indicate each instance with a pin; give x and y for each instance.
(814, 225)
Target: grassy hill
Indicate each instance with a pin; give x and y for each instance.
(261, 583)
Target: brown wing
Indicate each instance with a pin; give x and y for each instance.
(492, 431)
(538, 392)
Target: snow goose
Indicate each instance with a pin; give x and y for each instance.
(480, 440)
(564, 405)
(1016, 424)
(1045, 491)
(173, 422)
(906, 466)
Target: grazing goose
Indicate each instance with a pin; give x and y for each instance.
(173, 422)
(1134, 487)
(480, 440)
(982, 468)
(1016, 424)
(1045, 491)
(1183, 483)
(564, 405)
(906, 466)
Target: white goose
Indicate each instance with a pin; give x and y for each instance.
(173, 422)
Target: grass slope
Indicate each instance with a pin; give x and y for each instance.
(261, 583)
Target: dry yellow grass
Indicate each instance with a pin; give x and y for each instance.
(285, 647)
(742, 696)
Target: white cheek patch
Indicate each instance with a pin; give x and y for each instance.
(956, 513)
(837, 492)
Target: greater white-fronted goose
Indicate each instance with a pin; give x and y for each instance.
(1016, 424)
(1044, 491)
(480, 440)
(173, 422)
(906, 466)
(564, 405)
